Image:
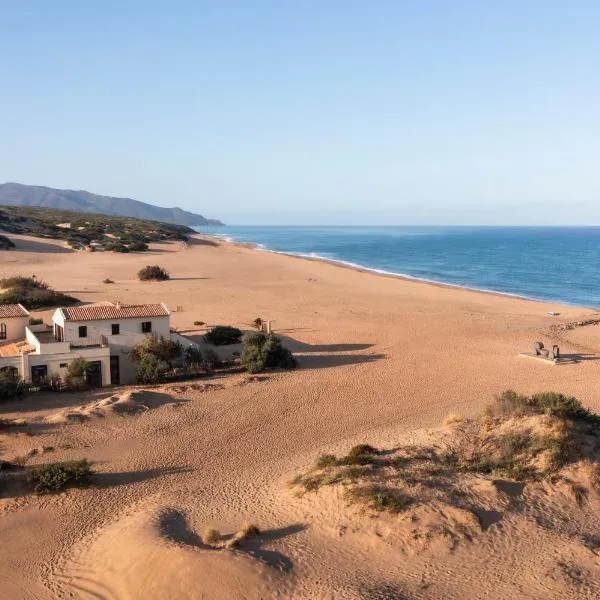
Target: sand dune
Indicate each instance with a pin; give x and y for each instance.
(380, 359)
(127, 403)
(151, 553)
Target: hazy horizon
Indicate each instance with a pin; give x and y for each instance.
(339, 114)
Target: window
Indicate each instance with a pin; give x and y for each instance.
(63, 365)
(2, 331)
(116, 328)
(146, 326)
(82, 331)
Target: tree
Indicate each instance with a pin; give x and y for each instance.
(76, 377)
(223, 335)
(164, 349)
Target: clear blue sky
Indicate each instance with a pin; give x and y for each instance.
(310, 112)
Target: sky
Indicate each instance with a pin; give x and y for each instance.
(310, 112)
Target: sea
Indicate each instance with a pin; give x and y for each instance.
(556, 264)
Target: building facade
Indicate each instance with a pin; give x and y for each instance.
(103, 334)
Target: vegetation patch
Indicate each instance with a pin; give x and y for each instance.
(32, 293)
(223, 335)
(546, 437)
(212, 536)
(114, 233)
(153, 273)
(265, 351)
(47, 479)
(76, 377)
(11, 386)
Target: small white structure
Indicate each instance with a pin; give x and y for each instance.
(102, 333)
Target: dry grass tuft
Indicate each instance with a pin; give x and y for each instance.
(452, 419)
(212, 537)
(249, 531)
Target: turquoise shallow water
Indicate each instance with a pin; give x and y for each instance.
(559, 264)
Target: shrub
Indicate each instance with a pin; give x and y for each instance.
(151, 369)
(198, 323)
(116, 247)
(326, 460)
(107, 280)
(11, 386)
(138, 247)
(262, 351)
(153, 273)
(5, 243)
(550, 403)
(250, 531)
(32, 293)
(362, 450)
(35, 321)
(54, 478)
(76, 376)
(163, 349)
(223, 335)
(258, 323)
(212, 536)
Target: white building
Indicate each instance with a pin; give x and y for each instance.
(103, 334)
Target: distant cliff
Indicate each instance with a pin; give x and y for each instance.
(16, 194)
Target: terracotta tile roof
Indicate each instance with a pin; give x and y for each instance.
(110, 311)
(12, 310)
(15, 349)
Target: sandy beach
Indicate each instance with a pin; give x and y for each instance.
(380, 360)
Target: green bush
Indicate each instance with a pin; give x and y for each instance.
(262, 351)
(32, 293)
(223, 335)
(151, 369)
(153, 273)
(11, 386)
(57, 477)
(76, 376)
(107, 280)
(551, 403)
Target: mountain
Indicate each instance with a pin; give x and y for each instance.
(16, 194)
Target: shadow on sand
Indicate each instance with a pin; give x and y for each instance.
(107, 480)
(36, 246)
(173, 525)
(327, 361)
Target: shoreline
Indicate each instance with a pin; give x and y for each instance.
(390, 274)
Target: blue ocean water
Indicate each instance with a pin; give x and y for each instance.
(559, 264)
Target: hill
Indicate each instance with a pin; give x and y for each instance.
(16, 194)
(87, 230)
